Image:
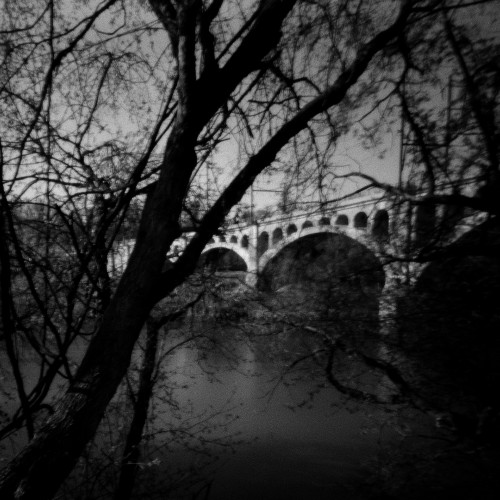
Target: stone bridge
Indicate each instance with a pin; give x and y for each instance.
(377, 223)
(365, 220)
(376, 226)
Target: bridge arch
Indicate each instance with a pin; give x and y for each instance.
(321, 232)
(328, 276)
(453, 342)
(229, 256)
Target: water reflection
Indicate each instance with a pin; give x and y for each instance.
(292, 446)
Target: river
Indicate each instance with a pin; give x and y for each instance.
(291, 436)
(229, 421)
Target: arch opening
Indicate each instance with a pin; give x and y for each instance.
(307, 224)
(244, 241)
(221, 259)
(262, 243)
(342, 220)
(277, 235)
(331, 279)
(451, 347)
(320, 258)
(292, 228)
(361, 220)
(380, 229)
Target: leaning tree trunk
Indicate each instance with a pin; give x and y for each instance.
(38, 471)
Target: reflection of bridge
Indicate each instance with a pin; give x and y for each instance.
(365, 220)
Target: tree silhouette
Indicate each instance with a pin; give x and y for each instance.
(121, 101)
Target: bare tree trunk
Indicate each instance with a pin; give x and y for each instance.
(37, 472)
(131, 452)
(7, 327)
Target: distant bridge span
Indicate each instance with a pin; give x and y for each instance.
(375, 222)
(380, 224)
(365, 220)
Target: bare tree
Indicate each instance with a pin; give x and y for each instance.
(111, 103)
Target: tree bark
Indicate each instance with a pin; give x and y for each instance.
(131, 453)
